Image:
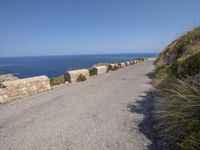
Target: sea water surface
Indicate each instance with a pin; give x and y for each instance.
(53, 66)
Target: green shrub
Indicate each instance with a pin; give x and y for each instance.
(92, 71)
(81, 78)
(189, 65)
(57, 81)
(116, 67)
(187, 39)
(165, 72)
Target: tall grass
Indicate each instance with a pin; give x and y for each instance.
(179, 113)
(178, 84)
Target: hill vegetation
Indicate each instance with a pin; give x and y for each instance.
(178, 84)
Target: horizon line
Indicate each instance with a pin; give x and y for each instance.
(78, 54)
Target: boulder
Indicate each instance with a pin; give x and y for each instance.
(76, 75)
(23, 87)
(98, 70)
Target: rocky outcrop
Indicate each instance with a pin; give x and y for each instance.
(23, 87)
(75, 75)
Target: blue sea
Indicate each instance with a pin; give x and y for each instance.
(53, 66)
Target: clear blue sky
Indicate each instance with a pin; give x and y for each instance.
(63, 27)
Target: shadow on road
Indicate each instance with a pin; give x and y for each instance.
(144, 105)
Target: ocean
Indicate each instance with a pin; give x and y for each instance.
(53, 66)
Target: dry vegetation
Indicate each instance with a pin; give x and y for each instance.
(177, 81)
(57, 81)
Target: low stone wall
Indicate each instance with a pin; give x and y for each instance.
(73, 76)
(23, 87)
(98, 70)
(132, 62)
(113, 67)
(122, 65)
(127, 63)
(7, 77)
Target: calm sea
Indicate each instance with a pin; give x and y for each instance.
(53, 66)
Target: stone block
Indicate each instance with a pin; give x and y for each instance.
(127, 63)
(122, 65)
(98, 70)
(73, 76)
(23, 87)
(113, 67)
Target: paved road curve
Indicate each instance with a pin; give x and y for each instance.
(92, 115)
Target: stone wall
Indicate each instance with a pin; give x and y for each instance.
(7, 77)
(122, 65)
(23, 87)
(98, 70)
(127, 63)
(72, 76)
(113, 67)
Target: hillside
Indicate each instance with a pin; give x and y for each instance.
(178, 84)
(181, 57)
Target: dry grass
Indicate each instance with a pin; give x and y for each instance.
(179, 113)
(57, 81)
(179, 107)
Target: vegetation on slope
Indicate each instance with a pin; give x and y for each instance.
(178, 83)
(57, 81)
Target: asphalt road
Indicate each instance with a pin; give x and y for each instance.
(91, 115)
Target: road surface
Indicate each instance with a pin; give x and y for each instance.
(91, 115)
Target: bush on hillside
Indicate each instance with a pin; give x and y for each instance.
(189, 65)
(180, 47)
(179, 114)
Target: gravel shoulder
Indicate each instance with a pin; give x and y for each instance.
(92, 115)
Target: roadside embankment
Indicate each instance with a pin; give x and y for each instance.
(178, 85)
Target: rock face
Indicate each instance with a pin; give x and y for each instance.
(99, 70)
(73, 76)
(23, 87)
